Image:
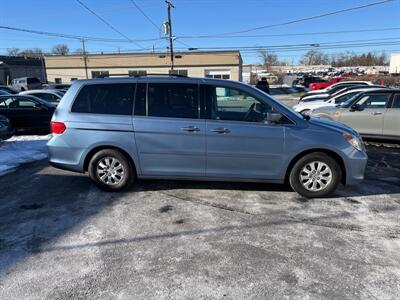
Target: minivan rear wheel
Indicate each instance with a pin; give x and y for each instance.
(110, 170)
(315, 175)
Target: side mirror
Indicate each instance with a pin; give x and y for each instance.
(356, 107)
(273, 117)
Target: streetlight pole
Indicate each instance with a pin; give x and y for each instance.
(170, 36)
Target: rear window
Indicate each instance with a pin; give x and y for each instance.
(112, 99)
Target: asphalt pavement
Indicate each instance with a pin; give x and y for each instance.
(62, 238)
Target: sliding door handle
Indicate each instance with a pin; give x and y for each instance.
(190, 129)
(220, 130)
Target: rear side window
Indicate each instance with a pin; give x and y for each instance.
(173, 100)
(112, 99)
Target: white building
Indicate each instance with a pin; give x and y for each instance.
(394, 64)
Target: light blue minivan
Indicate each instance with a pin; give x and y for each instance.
(175, 127)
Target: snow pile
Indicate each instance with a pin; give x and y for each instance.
(22, 149)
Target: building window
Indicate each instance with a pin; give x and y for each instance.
(179, 72)
(133, 73)
(57, 80)
(100, 74)
(74, 78)
(218, 74)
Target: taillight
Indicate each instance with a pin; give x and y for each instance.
(57, 127)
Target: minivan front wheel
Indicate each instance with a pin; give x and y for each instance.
(111, 170)
(315, 175)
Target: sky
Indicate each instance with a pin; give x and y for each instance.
(203, 17)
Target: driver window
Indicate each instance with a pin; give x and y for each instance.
(374, 101)
(236, 105)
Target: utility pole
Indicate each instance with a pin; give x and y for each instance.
(84, 57)
(170, 36)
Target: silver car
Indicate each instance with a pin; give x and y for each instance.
(173, 127)
(373, 114)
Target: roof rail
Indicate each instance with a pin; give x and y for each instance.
(143, 75)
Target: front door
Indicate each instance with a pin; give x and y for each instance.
(369, 119)
(391, 122)
(170, 137)
(240, 144)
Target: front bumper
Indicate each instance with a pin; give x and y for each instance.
(355, 167)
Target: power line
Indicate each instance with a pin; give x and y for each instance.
(300, 20)
(77, 37)
(107, 23)
(145, 15)
(290, 34)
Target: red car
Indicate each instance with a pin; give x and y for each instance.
(321, 85)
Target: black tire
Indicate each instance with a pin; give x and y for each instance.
(311, 160)
(126, 180)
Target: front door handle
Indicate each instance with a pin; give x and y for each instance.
(221, 130)
(376, 113)
(191, 129)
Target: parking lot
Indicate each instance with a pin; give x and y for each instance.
(198, 240)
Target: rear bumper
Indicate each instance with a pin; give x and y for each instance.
(63, 156)
(355, 167)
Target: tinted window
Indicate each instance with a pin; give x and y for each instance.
(47, 97)
(173, 100)
(235, 105)
(374, 101)
(105, 99)
(32, 80)
(396, 101)
(140, 100)
(17, 103)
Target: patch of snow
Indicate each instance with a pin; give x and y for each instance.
(21, 149)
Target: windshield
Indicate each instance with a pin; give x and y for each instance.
(348, 102)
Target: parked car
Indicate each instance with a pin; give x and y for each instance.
(307, 80)
(6, 130)
(339, 92)
(26, 83)
(308, 107)
(336, 92)
(4, 93)
(322, 85)
(51, 96)
(27, 114)
(8, 90)
(166, 129)
(374, 114)
(335, 87)
(56, 86)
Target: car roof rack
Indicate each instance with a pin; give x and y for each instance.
(141, 75)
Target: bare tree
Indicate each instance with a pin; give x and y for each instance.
(78, 51)
(314, 57)
(350, 59)
(60, 49)
(12, 51)
(34, 52)
(268, 59)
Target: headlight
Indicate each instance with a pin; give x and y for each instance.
(354, 141)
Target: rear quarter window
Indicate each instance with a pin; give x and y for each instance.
(110, 99)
